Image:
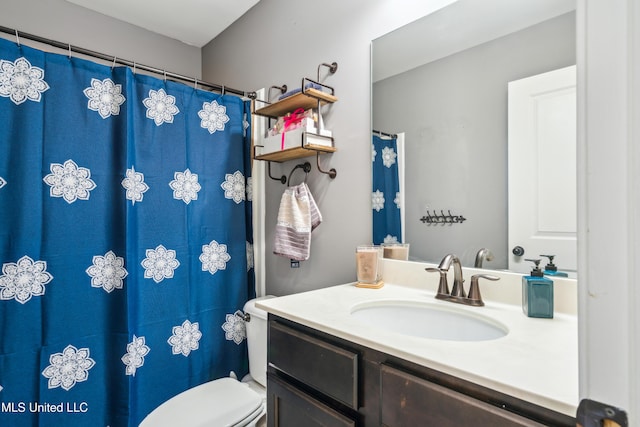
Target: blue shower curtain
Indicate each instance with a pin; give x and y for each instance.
(385, 198)
(125, 239)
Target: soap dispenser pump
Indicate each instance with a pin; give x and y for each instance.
(537, 293)
(551, 270)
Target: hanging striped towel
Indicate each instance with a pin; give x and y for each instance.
(298, 216)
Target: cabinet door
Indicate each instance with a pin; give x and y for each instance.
(408, 400)
(327, 368)
(289, 407)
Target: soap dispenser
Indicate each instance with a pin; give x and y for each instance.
(551, 270)
(537, 293)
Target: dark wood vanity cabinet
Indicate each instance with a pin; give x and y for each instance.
(316, 379)
(408, 400)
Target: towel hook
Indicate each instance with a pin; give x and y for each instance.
(282, 179)
(306, 167)
(333, 67)
(331, 172)
(282, 89)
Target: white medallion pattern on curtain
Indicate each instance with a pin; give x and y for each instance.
(2, 182)
(20, 81)
(69, 181)
(68, 368)
(185, 186)
(249, 189)
(234, 328)
(377, 200)
(107, 272)
(234, 187)
(388, 156)
(185, 338)
(374, 153)
(135, 185)
(389, 239)
(105, 97)
(134, 358)
(249, 256)
(213, 116)
(214, 257)
(245, 124)
(23, 279)
(160, 107)
(160, 263)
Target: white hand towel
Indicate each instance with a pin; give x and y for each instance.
(298, 216)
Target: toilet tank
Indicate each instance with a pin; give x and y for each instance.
(256, 329)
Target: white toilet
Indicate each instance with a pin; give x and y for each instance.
(225, 401)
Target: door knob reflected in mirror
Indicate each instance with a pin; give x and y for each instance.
(518, 251)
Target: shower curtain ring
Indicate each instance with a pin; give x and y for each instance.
(69, 50)
(17, 38)
(114, 63)
(223, 90)
(164, 72)
(195, 83)
(134, 67)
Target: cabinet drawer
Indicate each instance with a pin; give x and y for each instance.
(408, 400)
(290, 407)
(327, 368)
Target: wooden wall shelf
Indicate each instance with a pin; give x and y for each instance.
(307, 99)
(296, 153)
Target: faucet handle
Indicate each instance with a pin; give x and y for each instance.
(443, 286)
(474, 290)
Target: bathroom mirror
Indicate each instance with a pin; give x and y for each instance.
(442, 81)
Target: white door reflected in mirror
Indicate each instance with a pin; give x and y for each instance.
(542, 169)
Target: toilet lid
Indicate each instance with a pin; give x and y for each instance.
(223, 402)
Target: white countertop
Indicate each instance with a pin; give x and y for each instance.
(537, 361)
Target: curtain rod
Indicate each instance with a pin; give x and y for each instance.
(67, 46)
(380, 133)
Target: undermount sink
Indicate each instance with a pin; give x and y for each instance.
(428, 320)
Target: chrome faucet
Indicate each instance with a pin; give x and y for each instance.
(457, 293)
(483, 254)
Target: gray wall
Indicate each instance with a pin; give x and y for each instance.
(278, 42)
(454, 114)
(68, 23)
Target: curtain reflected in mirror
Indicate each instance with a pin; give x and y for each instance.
(386, 197)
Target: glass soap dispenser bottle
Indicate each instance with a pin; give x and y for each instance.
(537, 293)
(551, 270)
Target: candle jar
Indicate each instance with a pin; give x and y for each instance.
(369, 264)
(396, 251)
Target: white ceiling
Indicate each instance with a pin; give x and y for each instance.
(194, 22)
(459, 26)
